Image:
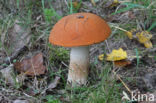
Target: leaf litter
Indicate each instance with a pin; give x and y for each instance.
(32, 66)
(8, 75)
(15, 39)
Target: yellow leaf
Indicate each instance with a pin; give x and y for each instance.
(148, 44)
(143, 36)
(129, 34)
(101, 57)
(117, 55)
(116, 1)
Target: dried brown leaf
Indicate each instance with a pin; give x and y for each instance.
(122, 63)
(54, 83)
(32, 66)
(16, 38)
(8, 75)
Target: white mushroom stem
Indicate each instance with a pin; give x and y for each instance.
(79, 65)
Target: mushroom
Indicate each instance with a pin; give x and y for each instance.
(78, 31)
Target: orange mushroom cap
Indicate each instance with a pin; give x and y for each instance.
(79, 29)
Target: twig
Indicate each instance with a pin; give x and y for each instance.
(27, 95)
(128, 89)
(119, 28)
(107, 46)
(65, 64)
(93, 2)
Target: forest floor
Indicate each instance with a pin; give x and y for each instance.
(25, 26)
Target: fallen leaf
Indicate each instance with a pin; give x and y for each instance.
(129, 34)
(9, 75)
(16, 38)
(112, 3)
(101, 57)
(119, 63)
(115, 3)
(131, 55)
(54, 83)
(122, 63)
(148, 44)
(116, 55)
(32, 66)
(142, 36)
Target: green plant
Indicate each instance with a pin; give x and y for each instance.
(128, 6)
(49, 12)
(0, 45)
(51, 99)
(18, 3)
(72, 8)
(138, 62)
(144, 6)
(152, 26)
(58, 54)
(104, 91)
(155, 57)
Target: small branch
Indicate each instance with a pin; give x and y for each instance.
(128, 89)
(119, 28)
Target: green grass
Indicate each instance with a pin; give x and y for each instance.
(49, 12)
(0, 45)
(102, 89)
(58, 54)
(138, 60)
(106, 90)
(147, 6)
(71, 7)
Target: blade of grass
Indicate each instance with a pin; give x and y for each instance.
(49, 12)
(152, 26)
(71, 7)
(129, 6)
(138, 61)
(51, 7)
(43, 4)
(133, 5)
(17, 3)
